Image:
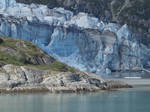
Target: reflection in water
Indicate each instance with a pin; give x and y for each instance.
(119, 101)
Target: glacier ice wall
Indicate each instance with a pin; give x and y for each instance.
(78, 40)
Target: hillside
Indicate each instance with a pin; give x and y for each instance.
(23, 53)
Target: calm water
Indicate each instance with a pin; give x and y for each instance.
(128, 100)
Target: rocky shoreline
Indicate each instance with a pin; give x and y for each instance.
(23, 79)
(43, 89)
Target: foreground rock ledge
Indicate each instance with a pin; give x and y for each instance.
(27, 79)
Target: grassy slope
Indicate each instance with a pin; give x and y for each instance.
(18, 52)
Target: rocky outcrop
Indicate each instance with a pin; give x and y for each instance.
(26, 79)
(78, 40)
(21, 52)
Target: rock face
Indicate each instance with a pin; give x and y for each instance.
(26, 79)
(78, 40)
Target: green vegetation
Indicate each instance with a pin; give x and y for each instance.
(23, 53)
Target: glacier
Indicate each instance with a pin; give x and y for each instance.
(80, 40)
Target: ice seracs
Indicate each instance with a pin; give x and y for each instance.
(84, 21)
(113, 27)
(7, 3)
(56, 16)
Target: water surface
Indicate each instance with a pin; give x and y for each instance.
(126, 100)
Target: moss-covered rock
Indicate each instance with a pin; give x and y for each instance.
(23, 53)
